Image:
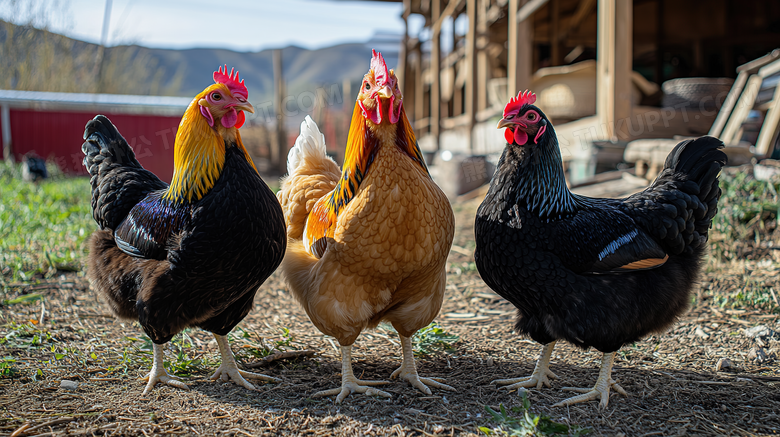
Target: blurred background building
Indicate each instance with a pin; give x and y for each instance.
(622, 80)
(602, 69)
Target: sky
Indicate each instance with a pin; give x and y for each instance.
(242, 25)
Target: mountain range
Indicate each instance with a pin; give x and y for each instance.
(180, 72)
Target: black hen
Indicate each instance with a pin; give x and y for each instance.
(593, 272)
(193, 253)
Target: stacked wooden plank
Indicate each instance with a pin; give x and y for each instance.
(754, 80)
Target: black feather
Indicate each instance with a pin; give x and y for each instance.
(171, 267)
(552, 268)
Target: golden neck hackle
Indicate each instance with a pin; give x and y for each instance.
(365, 139)
(199, 154)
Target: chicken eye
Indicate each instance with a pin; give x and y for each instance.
(510, 116)
(367, 86)
(216, 96)
(532, 116)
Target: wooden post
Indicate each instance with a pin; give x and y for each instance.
(512, 45)
(100, 86)
(768, 134)
(5, 126)
(483, 68)
(613, 64)
(402, 61)
(419, 85)
(278, 157)
(435, 70)
(659, 42)
(470, 104)
(346, 94)
(555, 44)
(520, 51)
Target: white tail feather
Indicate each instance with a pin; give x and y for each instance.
(310, 143)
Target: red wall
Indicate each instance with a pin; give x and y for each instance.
(58, 135)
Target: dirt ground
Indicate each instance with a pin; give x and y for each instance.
(672, 380)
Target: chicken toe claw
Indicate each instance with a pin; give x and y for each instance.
(599, 391)
(164, 378)
(353, 386)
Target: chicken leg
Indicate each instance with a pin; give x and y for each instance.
(600, 390)
(158, 373)
(539, 376)
(228, 369)
(408, 370)
(350, 384)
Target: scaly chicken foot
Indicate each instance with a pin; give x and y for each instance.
(158, 373)
(228, 370)
(408, 371)
(350, 384)
(600, 390)
(539, 376)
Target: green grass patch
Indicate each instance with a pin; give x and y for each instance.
(431, 338)
(8, 368)
(26, 336)
(748, 209)
(525, 423)
(181, 357)
(43, 226)
(267, 346)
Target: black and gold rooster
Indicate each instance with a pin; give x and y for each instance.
(193, 253)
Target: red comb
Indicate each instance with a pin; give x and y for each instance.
(231, 80)
(381, 73)
(523, 98)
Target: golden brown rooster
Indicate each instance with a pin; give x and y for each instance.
(368, 243)
(192, 253)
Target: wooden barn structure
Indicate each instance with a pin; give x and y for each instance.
(51, 125)
(621, 51)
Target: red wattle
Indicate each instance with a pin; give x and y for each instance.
(372, 115)
(241, 119)
(509, 135)
(520, 137)
(395, 114)
(230, 118)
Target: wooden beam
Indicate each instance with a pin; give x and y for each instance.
(729, 104)
(470, 104)
(584, 8)
(419, 85)
(555, 43)
(449, 10)
(520, 51)
(402, 58)
(528, 9)
(746, 101)
(483, 68)
(613, 64)
(768, 134)
(658, 76)
(346, 91)
(435, 71)
(278, 157)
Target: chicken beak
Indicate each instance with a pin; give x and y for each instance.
(246, 106)
(505, 123)
(385, 92)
